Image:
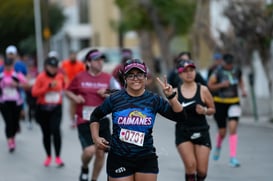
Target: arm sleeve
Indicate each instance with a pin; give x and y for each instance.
(165, 109)
(73, 86)
(114, 84)
(22, 78)
(40, 87)
(96, 115)
(101, 111)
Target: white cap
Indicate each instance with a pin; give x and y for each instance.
(53, 53)
(11, 49)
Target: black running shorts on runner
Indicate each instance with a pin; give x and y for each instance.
(221, 114)
(84, 132)
(118, 166)
(196, 137)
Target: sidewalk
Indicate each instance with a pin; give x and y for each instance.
(262, 121)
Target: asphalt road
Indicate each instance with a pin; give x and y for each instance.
(26, 163)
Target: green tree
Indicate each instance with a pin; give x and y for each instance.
(157, 20)
(17, 23)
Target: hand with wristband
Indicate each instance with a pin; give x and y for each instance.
(167, 88)
(170, 94)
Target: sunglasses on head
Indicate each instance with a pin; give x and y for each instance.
(130, 61)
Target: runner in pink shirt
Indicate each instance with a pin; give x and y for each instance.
(11, 100)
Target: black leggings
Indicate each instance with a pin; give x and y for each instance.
(11, 113)
(50, 122)
(31, 102)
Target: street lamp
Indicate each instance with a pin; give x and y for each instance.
(38, 34)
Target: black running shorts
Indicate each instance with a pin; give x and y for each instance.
(84, 132)
(221, 115)
(118, 166)
(196, 137)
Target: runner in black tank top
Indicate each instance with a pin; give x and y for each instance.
(194, 121)
(192, 135)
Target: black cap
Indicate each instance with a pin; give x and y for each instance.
(228, 58)
(52, 61)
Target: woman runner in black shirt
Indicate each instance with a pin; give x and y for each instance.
(192, 136)
(132, 155)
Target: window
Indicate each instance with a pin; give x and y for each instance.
(83, 11)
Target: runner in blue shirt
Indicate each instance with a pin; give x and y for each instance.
(132, 154)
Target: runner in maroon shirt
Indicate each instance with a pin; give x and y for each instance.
(88, 90)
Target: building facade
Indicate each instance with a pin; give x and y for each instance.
(89, 23)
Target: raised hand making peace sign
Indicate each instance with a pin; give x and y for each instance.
(167, 88)
(170, 94)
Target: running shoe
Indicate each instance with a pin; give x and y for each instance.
(74, 122)
(73, 125)
(84, 174)
(11, 145)
(59, 162)
(234, 162)
(216, 153)
(47, 161)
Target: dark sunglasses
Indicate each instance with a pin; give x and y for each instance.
(139, 76)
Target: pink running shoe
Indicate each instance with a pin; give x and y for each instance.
(59, 162)
(11, 145)
(47, 161)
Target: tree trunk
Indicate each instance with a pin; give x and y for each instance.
(167, 62)
(269, 69)
(148, 57)
(146, 48)
(164, 37)
(201, 33)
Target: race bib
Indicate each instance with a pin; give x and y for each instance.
(52, 97)
(234, 111)
(86, 112)
(133, 137)
(9, 92)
